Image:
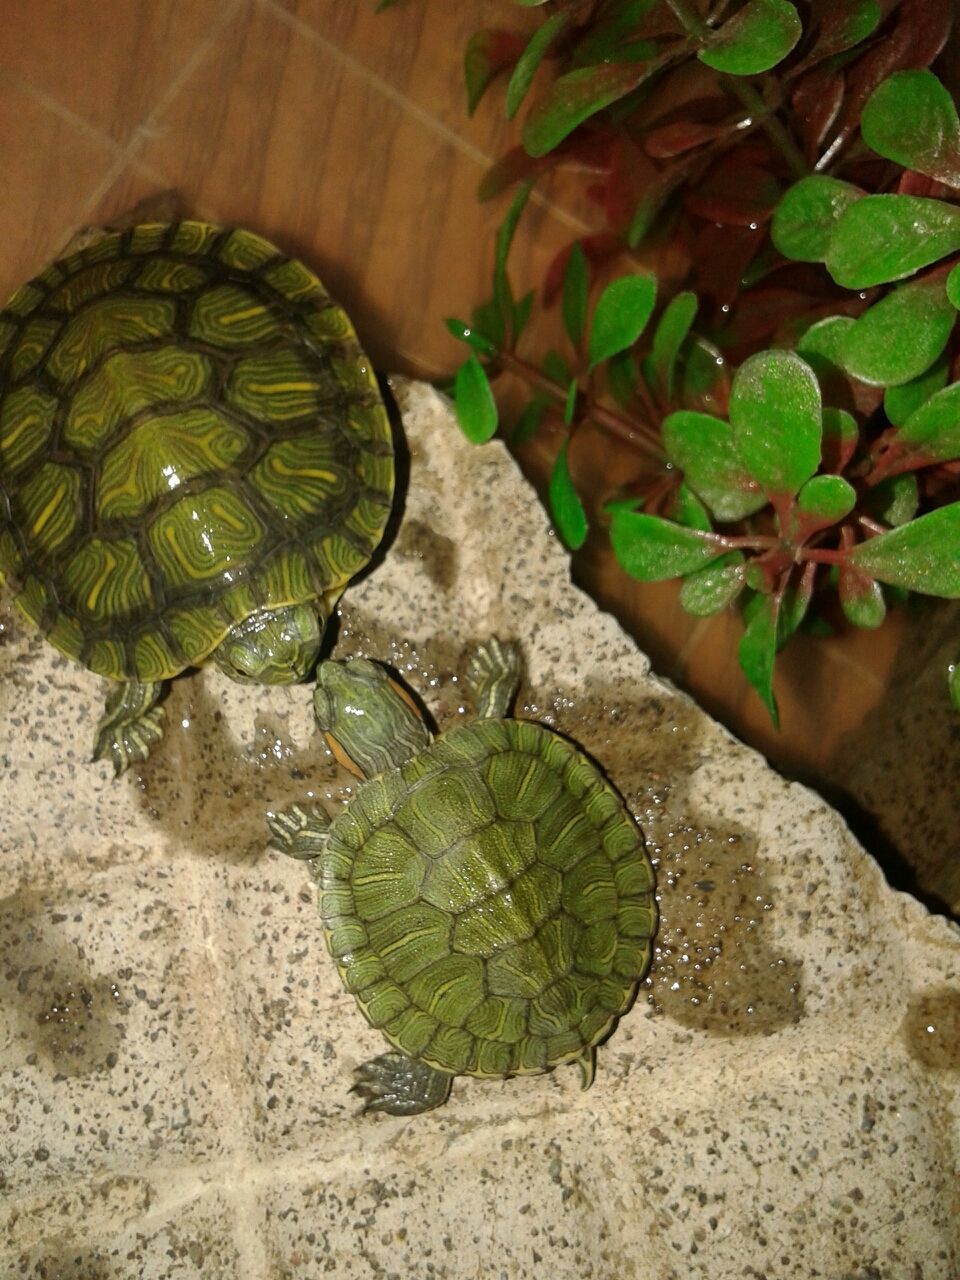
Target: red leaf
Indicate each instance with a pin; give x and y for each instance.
(673, 139)
(735, 194)
(514, 166)
(918, 184)
(816, 99)
(721, 255)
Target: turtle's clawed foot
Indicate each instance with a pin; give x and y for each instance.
(300, 831)
(493, 676)
(400, 1086)
(131, 725)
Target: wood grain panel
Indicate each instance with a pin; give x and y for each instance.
(275, 131)
(110, 60)
(51, 169)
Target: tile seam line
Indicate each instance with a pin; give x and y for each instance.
(387, 90)
(52, 104)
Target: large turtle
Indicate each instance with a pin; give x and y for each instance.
(194, 461)
(486, 895)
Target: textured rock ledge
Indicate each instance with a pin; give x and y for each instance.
(176, 1052)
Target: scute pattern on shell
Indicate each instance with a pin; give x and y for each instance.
(189, 432)
(489, 902)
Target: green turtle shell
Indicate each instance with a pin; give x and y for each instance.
(489, 902)
(189, 433)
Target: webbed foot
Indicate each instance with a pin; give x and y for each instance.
(131, 725)
(493, 676)
(299, 832)
(400, 1086)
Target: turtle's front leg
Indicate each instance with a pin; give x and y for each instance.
(131, 724)
(493, 676)
(401, 1086)
(299, 832)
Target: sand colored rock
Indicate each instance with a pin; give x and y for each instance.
(176, 1049)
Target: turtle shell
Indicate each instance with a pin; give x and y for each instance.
(489, 902)
(189, 433)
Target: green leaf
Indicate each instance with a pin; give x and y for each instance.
(934, 428)
(923, 555)
(804, 220)
(841, 436)
(621, 315)
(900, 402)
(556, 368)
(756, 38)
(487, 52)
(827, 499)
(488, 320)
(712, 588)
(652, 549)
(899, 337)
(622, 377)
(703, 448)
(502, 296)
(706, 379)
(911, 118)
(473, 401)
(758, 649)
(464, 333)
(575, 288)
(883, 238)
(530, 60)
(775, 412)
(528, 424)
(825, 338)
(669, 336)
(521, 314)
(570, 404)
(861, 598)
(820, 346)
(566, 508)
(687, 509)
(606, 36)
(794, 604)
(574, 97)
(953, 287)
(895, 500)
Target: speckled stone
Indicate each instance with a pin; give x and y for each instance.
(176, 1049)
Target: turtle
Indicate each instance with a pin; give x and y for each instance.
(195, 459)
(486, 894)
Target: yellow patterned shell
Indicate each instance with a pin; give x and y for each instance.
(189, 433)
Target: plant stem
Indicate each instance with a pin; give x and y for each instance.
(689, 19)
(632, 433)
(770, 124)
(694, 25)
(872, 526)
(822, 557)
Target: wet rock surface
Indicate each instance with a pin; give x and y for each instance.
(176, 1049)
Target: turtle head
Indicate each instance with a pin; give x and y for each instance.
(274, 646)
(370, 722)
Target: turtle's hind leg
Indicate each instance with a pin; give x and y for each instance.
(299, 832)
(131, 724)
(401, 1086)
(493, 676)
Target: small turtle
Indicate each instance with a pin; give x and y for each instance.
(195, 459)
(486, 895)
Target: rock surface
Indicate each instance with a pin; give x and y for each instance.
(176, 1050)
